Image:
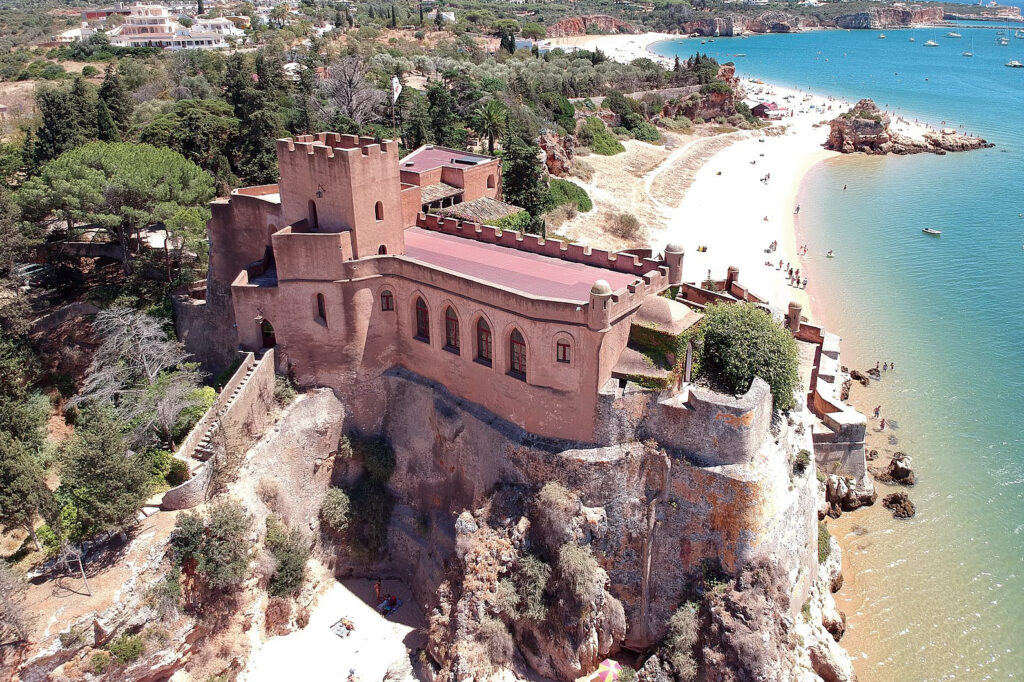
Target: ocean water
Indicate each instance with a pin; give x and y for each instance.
(940, 596)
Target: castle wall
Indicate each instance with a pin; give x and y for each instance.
(358, 341)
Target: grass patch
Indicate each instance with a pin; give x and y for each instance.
(824, 544)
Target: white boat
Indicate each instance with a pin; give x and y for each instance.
(1004, 41)
(931, 230)
(951, 34)
(1018, 34)
(968, 54)
(881, 36)
(1014, 64)
(911, 40)
(931, 43)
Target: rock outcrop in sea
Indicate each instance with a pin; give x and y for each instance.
(866, 129)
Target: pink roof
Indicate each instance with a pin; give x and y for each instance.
(505, 267)
(431, 157)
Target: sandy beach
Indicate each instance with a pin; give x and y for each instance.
(725, 202)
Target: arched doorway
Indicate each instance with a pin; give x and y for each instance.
(267, 334)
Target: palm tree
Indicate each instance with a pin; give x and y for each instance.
(489, 119)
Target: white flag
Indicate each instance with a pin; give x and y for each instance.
(396, 89)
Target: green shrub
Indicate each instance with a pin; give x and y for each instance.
(284, 390)
(802, 461)
(739, 342)
(202, 399)
(217, 547)
(159, 462)
(177, 472)
(518, 222)
(680, 640)
(621, 132)
(290, 550)
(127, 648)
(496, 639)
(370, 513)
(553, 509)
(378, 458)
(579, 570)
(99, 662)
(717, 87)
(335, 511)
(646, 132)
(824, 544)
(165, 594)
(566, 192)
(90, 71)
(595, 135)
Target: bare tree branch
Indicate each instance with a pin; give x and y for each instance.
(346, 91)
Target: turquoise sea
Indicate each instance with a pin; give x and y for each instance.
(940, 596)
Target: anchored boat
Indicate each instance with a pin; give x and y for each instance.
(931, 230)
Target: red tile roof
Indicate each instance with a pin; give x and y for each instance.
(529, 273)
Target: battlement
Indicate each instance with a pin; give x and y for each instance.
(576, 253)
(331, 145)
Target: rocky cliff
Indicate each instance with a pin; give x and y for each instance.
(596, 23)
(651, 524)
(866, 129)
(890, 17)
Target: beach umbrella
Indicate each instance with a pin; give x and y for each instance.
(608, 671)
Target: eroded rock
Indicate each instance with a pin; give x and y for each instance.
(900, 504)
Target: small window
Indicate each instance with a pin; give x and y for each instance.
(387, 300)
(483, 342)
(517, 354)
(382, 250)
(451, 330)
(378, 211)
(314, 223)
(321, 309)
(422, 321)
(562, 352)
(490, 182)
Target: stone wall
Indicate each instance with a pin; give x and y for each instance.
(235, 421)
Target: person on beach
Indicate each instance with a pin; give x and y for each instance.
(805, 282)
(877, 367)
(885, 366)
(878, 410)
(881, 427)
(844, 188)
(892, 366)
(376, 590)
(780, 265)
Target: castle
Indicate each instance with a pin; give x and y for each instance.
(340, 270)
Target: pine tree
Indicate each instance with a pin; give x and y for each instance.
(106, 128)
(394, 18)
(421, 15)
(23, 491)
(84, 96)
(105, 485)
(59, 129)
(201, 9)
(117, 98)
(523, 177)
(444, 122)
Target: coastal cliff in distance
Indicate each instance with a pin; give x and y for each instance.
(770, 21)
(866, 129)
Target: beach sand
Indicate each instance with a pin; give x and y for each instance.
(717, 199)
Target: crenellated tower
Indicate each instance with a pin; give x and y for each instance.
(344, 183)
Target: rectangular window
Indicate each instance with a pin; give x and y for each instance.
(562, 352)
(387, 301)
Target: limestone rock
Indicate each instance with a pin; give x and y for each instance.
(591, 23)
(857, 375)
(900, 504)
(845, 494)
(898, 471)
(653, 671)
(867, 130)
(558, 152)
(830, 662)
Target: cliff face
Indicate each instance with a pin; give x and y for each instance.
(890, 17)
(866, 129)
(654, 522)
(600, 23)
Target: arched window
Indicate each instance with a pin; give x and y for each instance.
(321, 309)
(422, 321)
(382, 250)
(517, 354)
(484, 351)
(490, 181)
(378, 211)
(387, 300)
(451, 330)
(314, 223)
(563, 351)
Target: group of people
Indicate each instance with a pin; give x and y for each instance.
(886, 366)
(878, 411)
(388, 602)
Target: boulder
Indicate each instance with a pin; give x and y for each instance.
(867, 130)
(558, 152)
(898, 471)
(846, 494)
(900, 504)
(857, 375)
(830, 662)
